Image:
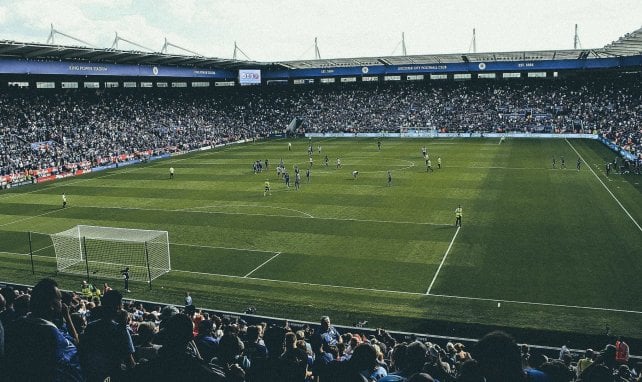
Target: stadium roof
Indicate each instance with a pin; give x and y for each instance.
(628, 45)
(433, 59)
(37, 51)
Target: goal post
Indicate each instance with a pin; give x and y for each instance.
(105, 251)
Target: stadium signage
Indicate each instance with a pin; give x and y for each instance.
(249, 77)
(422, 67)
(88, 68)
(20, 66)
(26, 67)
(462, 67)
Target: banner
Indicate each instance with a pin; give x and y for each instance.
(19, 66)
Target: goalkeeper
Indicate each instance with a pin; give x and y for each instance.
(125, 273)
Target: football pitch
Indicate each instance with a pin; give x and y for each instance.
(559, 249)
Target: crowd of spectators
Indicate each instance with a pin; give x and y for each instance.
(50, 335)
(41, 129)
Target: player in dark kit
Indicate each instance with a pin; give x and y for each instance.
(379, 145)
(125, 273)
(389, 178)
(579, 163)
(297, 181)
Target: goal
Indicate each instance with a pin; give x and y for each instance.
(105, 251)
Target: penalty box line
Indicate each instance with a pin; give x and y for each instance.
(362, 289)
(259, 267)
(494, 300)
(443, 260)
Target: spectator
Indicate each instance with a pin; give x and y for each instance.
(322, 357)
(293, 361)
(175, 362)
(329, 335)
(107, 344)
(621, 351)
(39, 350)
(413, 361)
(144, 348)
(564, 351)
(77, 130)
(230, 352)
(557, 371)
(499, 359)
(8, 314)
(623, 374)
(206, 343)
(360, 367)
(470, 372)
(604, 365)
(585, 362)
(462, 355)
(265, 370)
(21, 305)
(106, 288)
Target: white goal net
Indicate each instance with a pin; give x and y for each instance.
(105, 251)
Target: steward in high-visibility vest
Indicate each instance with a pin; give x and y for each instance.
(85, 289)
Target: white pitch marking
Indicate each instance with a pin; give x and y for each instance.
(537, 303)
(604, 185)
(443, 261)
(502, 168)
(494, 300)
(248, 205)
(43, 248)
(300, 283)
(32, 217)
(265, 262)
(227, 248)
(268, 215)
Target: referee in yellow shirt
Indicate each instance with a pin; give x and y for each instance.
(458, 214)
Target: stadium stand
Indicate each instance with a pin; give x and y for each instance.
(56, 339)
(46, 133)
(49, 335)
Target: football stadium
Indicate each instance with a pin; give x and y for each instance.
(426, 204)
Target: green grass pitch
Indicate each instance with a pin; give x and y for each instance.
(560, 248)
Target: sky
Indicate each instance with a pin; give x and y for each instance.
(280, 30)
